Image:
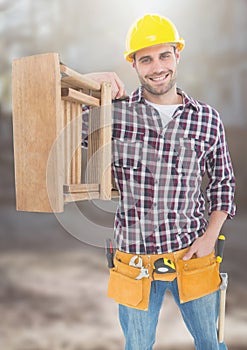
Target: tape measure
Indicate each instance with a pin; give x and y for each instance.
(164, 265)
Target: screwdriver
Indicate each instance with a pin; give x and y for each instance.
(220, 248)
(109, 253)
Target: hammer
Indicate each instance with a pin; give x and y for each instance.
(223, 287)
(221, 321)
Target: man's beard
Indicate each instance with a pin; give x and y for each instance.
(156, 90)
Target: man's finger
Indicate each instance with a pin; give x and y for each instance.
(121, 92)
(118, 89)
(188, 255)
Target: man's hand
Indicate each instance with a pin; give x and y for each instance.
(202, 246)
(205, 244)
(118, 89)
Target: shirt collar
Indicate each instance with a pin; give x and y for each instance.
(138, 97)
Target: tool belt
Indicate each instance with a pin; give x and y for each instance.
(130, 285)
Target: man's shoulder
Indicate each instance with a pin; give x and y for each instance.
(203, 110)
(209, 115)
(207, 108)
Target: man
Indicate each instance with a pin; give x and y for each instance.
(163, 144)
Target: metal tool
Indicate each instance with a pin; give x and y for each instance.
(142, 274)
(109, 253)
(136, 261)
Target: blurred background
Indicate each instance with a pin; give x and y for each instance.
(52, 283)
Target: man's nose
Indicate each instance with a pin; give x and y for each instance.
(157, 66)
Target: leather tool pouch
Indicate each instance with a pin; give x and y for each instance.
(125, 289)
(197, 277)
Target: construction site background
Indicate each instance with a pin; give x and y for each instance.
(53, 286)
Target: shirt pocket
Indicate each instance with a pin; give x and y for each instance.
(127, 153)
(190, 156)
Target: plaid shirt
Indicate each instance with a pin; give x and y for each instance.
(158, 171)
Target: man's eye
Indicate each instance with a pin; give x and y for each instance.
(145, 60)
(165, 55)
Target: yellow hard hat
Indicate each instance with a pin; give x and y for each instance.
(151, 30)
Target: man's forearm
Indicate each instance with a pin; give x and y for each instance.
(204, 245)
(216, 221)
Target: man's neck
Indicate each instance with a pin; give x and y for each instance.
(169, 98)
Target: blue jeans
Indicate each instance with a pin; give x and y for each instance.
(199, 315)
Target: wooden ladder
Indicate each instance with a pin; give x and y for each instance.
(47, 128)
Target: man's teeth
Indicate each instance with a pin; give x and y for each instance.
(159, 78)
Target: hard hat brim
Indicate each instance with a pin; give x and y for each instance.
(128, 55)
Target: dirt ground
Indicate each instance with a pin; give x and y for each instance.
(53, 286)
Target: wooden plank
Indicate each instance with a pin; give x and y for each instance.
(105, 141)
(67, 140)
(81, 188)
(78, 150)
(71, 95)
(36, 125)
(65, 85)
(80, 196)
(114, 194)
(76, 79)
(93, 160)
(72, 132)
(72, 126)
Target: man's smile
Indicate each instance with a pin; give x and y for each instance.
(159, 78)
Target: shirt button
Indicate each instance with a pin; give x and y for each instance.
(159, 159)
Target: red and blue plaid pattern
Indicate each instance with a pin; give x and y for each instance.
(158, 171)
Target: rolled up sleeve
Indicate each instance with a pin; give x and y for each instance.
(221, 188)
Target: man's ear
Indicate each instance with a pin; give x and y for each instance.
(177, 55)
(134, 63)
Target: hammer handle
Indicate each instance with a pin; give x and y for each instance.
(220, 248)
(221, 322)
